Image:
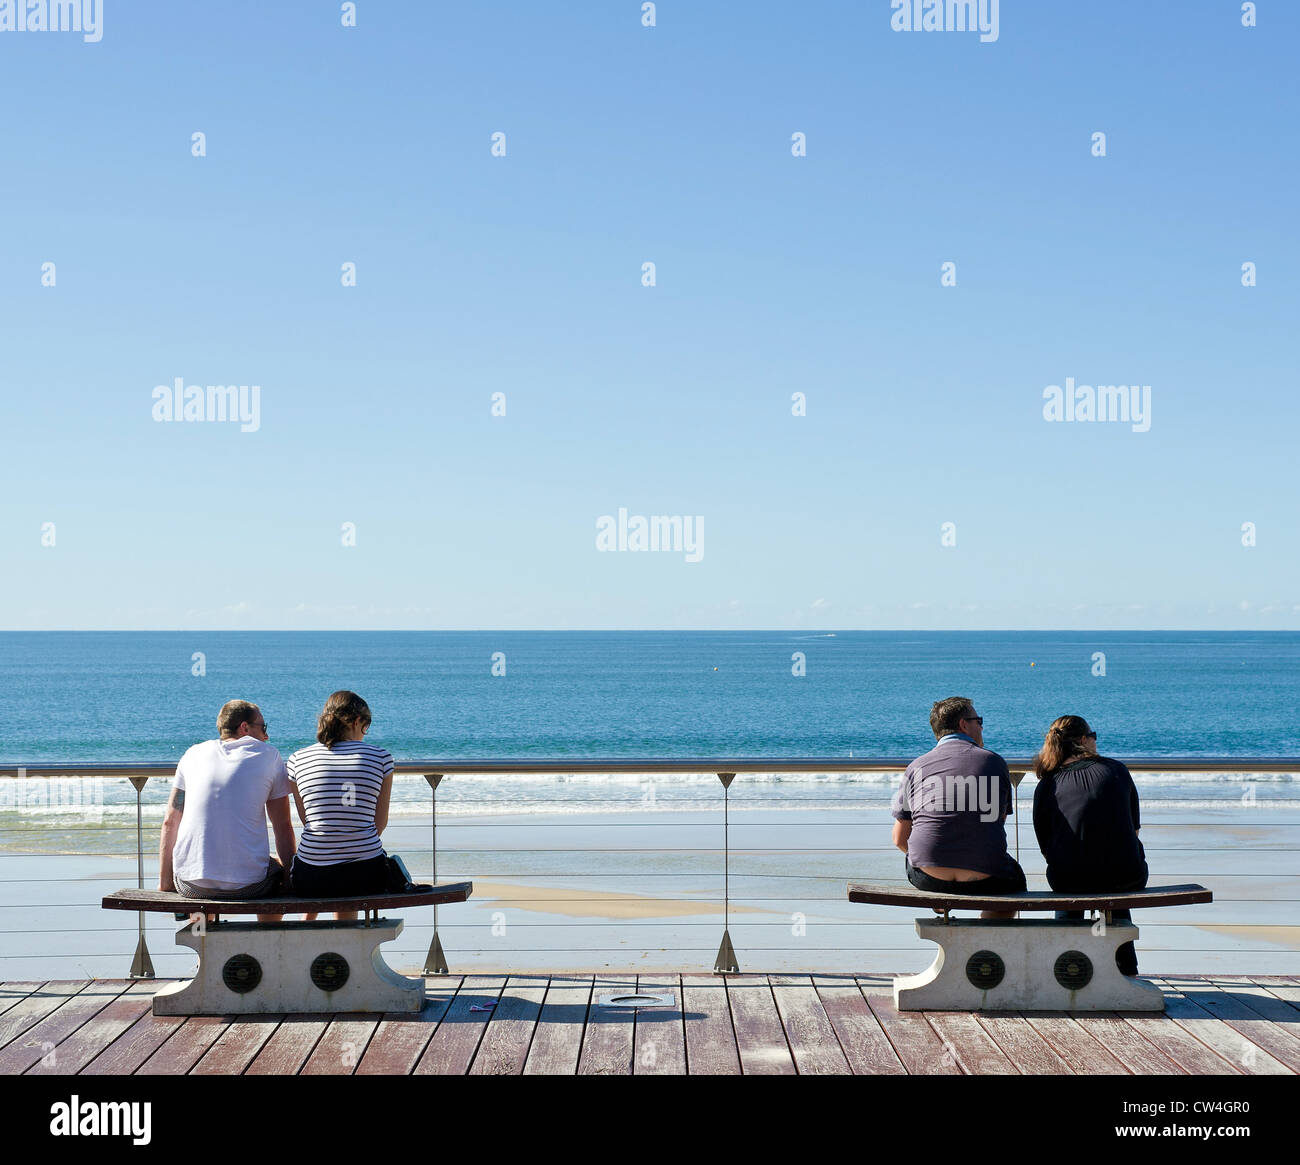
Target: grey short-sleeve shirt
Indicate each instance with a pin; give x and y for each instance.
(957, 797)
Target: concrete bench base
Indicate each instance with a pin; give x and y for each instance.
(1024, 965)
(257, 968)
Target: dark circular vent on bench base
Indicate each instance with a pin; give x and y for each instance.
(1073, 970)
(329, 971)
(985, 970)
(241, 974)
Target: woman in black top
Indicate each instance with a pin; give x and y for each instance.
(1086, 819)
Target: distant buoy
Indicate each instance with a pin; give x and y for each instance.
(715, 669)
(1032, 664)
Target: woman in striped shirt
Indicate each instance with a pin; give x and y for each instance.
(341, 786)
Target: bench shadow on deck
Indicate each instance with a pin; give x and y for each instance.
(751, 1024)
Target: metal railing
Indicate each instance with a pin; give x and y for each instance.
(700, 863)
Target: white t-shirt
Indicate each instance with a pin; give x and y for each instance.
(340, 789)
(222, 844)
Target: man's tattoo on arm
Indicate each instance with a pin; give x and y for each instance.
(178, 798)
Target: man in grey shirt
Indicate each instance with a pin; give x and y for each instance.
(949, 811)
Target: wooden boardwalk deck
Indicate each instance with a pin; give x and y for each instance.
(750, 1024)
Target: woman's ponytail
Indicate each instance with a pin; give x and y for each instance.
(1064, 740)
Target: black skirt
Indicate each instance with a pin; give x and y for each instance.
(369, 876)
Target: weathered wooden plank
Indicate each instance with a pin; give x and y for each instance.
(916, 1043)
(450, 1050)
(77, 1050)
(1276, 986)
(237, 1046)
(659, 1037)
(710, 1036)
(760, 1035)
(169, 902)
(558, 1037)
(1180, 1046)
(976, 1052)
(1023, 1046)
(608, 1044)
(862, 1040)
(1243, 1053)
(134, 1046)
(13, 993)
(882, 894)
(186, 1046)
(339, 1050)
(1236, 1012)
(1127, 1045)
(809, 1032)
(1261, 1001)
(503, 1049)
(28, 1012)
(290, 1044)
(40, 1040)
(1075, 1046)
(401, 1038)
(820, 979)
(789, 980)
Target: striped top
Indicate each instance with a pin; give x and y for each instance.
(339, 789)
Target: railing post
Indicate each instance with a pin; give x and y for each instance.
(142, 964)
(726, 960)
(435, 962)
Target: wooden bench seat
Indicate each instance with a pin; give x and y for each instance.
(1012, 964)
(172, 903)
(885, 895)
(252, 968)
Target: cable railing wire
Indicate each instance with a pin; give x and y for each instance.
(664, 810)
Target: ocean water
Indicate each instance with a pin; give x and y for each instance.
(86, 697)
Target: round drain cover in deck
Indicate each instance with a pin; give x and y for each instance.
(985, 970)
(1073, 970)
(329, 971)
(241, 974)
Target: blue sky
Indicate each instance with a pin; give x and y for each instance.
(775, 274)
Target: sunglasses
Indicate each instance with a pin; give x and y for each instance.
(975, 719)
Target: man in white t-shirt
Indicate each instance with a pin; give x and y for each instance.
(214, 832)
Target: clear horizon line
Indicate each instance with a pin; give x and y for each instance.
(643, 630)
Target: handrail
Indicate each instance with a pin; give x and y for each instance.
(833, 764)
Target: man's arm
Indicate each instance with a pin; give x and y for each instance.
(282, 827)
(170, 828)
(902, 804)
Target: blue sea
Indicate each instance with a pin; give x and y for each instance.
(146, 696)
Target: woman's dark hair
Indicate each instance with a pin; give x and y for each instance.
(342, 711)
(1064, 740)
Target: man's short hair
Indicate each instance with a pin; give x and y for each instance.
(234, 713)
(946, 715)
